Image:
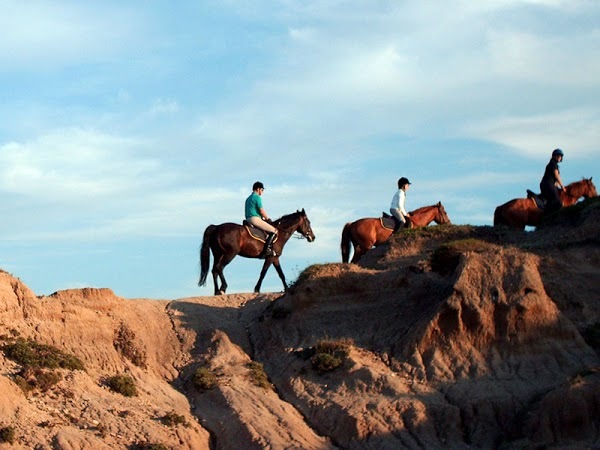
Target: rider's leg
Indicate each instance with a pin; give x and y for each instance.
(400, 219)
(267, 227)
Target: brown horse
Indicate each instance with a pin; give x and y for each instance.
(230, 239)
(519, 212)
(368, 232)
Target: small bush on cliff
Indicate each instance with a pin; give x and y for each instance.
(32, 378)
(7, 435)
(204, 379)
(125, 344)
(258, 376)
(330, 354)
(445, 258)
(173, 419)
(39, 362)
(122, 384)
(28, 353)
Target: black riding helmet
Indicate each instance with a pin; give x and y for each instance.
(402, 181)
(558, 152)
(257, 185)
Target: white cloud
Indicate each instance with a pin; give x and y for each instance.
(164, 106)
(39, 33)
(577, 131)
(71, 164)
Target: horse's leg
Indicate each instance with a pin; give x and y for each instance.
(364, 243)
(263, 272)
(359, 251)
(217, 271)
(280, 273)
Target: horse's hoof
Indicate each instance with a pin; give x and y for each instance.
(221, 292)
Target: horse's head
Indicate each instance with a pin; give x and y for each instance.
(296, 222)
(591, 188)
(584, 188)
(441, 217)
(304, 227)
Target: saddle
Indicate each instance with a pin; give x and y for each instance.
(257, 233)
(388, 221)
(539, 201)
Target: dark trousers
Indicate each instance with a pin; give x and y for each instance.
(552, 197)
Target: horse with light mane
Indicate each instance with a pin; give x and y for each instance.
(369, 232)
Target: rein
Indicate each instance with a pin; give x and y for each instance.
(287, 227)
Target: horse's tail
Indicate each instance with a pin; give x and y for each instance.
(205, 254)
(499, 216)
(345, 244)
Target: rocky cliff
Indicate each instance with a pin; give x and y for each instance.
(445, 337)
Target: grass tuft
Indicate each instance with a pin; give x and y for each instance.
(122, 384)
(29, 353)
(258, 376)
(205, 379)
(7, 435)
(330, 354)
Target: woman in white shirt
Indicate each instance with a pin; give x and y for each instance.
(397, 208)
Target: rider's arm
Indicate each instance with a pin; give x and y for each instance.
(263, 214)
(558, 179)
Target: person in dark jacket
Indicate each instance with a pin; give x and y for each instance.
(551, 182)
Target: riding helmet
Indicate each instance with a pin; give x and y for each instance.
(558, 152)
(402, 181)
(257, 185)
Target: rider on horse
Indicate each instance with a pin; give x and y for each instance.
(551, 181)
(257, 216)
(397, 208)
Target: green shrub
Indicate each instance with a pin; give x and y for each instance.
(340, 347)
(330, 354)
(324, 362)
(172, 419)
(32, 354)
(7, 435)
(258, 376)
(204, 379)
(38, 378)
(122, 384)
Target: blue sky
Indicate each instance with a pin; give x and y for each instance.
(126, 128)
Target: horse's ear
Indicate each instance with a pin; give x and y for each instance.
(439, 203)
(303, 212)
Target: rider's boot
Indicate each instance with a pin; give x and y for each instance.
(268, 251)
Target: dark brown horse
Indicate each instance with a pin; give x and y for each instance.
(519, 212)
(368, 232)
(230, 239)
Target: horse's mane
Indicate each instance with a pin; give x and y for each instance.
(583, 180)
(286, 217)
(576, 184)
(422, 208)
